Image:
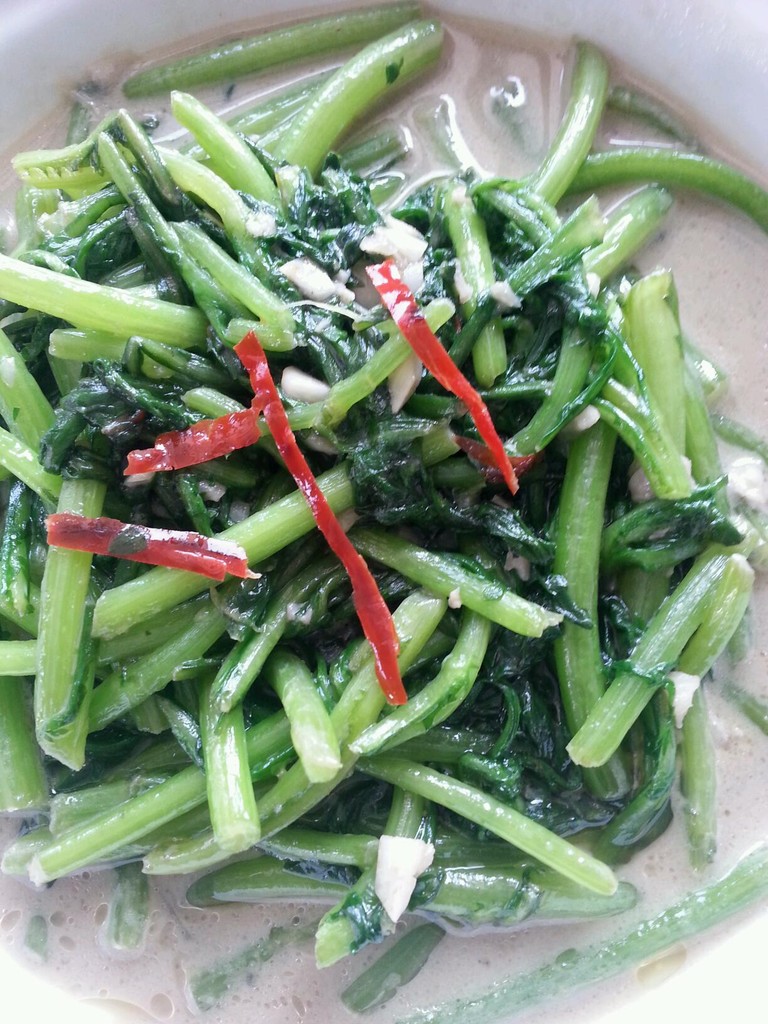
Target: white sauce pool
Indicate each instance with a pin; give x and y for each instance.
(720, 262)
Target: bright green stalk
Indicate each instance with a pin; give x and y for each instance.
(234, 815)
(634, 421)
(572, 368)
(360, 384)
(744, 885)
(236, 281)
(247, 56)
(443, 575)
(654, 338)
(339, 933)
(293, 794)
(578, 657)
(510, 825)
(267, 114)
(470, 241)
(700, 440)
(416, 619)
(589, 90)
(99, 307)
(649, 803)
(262, 534)
(85, 346)
(230, 157)
(245, 661)
(23, 785)
(22, 462)
(128, 685)
(698, 770)
(657, 650)
(354, 88)
(18, 657)
(440, 697)
(66, 656)
(584, 229)
(670, 167)
(698, 781)
(200, 181)
(296, 844)
(23, 406)
(268, 748)
(128, 916)
(312, 732)
(629, 225)
(14, 551)
(376, 152)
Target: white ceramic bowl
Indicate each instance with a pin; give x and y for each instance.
(712, 55)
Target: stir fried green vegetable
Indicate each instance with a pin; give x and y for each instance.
(511, 440)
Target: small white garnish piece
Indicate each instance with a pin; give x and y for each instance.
(413, 275)
(399, 863)
(748, 480)
(403, 381)
(347, 519)
(454, 598)
(521, 566)
(212, 491)
(624, 287)
(261, 224)
(8, 370)
(686, 686)
(138, 479)
(593, 283)
(397, 239)
(311, 280)
(238, 511)
(502, 293)
(640, 489)
(301, 387)
(340, 281)
(464, 291)
(583, 420)
(318, 443)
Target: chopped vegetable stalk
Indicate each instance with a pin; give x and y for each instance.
(23, 785)
(744, 885)
(498, 818)
(312, 732)
(229, 60)
(66, 652)
(234, 814)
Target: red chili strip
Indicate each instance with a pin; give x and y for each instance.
(404, 310)
(481, 454)
(203, 441)
(372, 611)
(174, 549)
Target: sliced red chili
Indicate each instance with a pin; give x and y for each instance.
(371, 608)
(481, 454)
(174, 549)
(404, 310)
(203, 441)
